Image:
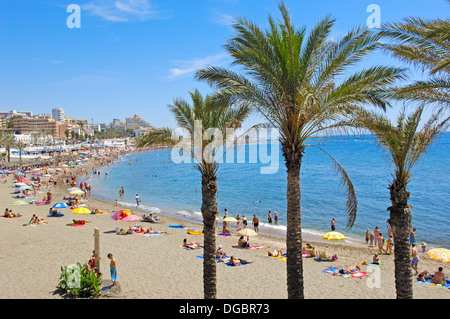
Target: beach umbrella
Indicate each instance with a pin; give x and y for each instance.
(81, 211)
(72, 189)
(37, 173)
(440, 254)
(153, 210)
(131, 218)
(115, 215)
(229, 219)
(20, 184)
(60, 205)
(25, 187)
(334, 235)
(78, 192)
(247, 232)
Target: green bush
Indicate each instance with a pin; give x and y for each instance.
(77, 282)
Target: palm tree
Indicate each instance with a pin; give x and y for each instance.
(406, 145)
(8, 141)
(205, 114)
(291, 79)
(426, 45)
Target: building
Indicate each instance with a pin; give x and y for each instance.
(134, 122)
(12, 113)
(58, 115)
(41, 123)
(118, 125)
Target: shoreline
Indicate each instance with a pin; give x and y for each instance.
(156, 268)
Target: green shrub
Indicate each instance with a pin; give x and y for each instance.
(77, 282)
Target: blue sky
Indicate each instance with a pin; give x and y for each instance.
(134, 56)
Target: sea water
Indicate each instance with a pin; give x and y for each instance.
(245, 191)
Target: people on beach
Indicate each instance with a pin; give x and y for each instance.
(376, 233)
(333, 224)
(275, 217)
(138, 201)
(367, 236)
(244, 221)
(424, 275)
(439, 277)
(412, 236)
(389, 245)
(113, 269)
(414, 258)
(275, 253)
(255, 222)
(380, 243)
(269, 217)
(376, 259)
(242, 242)
(193, 245)
(220, 253)
(37, 220)
(310, 250)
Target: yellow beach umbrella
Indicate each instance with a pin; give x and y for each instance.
(440, 254)
(247, 232)
(229, 219)
(81, 211)
(333, 235)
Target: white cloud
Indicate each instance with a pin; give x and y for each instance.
(121, 10)
(191, 66)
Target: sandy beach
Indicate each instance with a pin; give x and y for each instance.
(157, 268)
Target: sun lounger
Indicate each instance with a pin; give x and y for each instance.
(322, 257)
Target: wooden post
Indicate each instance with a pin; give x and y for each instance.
(97, 247)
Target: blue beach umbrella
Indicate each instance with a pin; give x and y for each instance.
(60, 205)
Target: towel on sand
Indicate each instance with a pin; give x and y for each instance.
(176, 226)
(153, 235)
(251, 247)
(428, 282)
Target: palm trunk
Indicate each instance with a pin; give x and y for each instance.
(400, 221)
(209, 212)
(294, 263)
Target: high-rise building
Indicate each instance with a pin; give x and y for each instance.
(135, 122)
(58, 115)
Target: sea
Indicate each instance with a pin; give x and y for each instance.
(252, 180)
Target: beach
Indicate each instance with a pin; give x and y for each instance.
(157, 268)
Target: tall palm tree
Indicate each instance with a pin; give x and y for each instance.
(406, 145)
(424, 44)
(8, 141)
(205, 114)
(292, 79)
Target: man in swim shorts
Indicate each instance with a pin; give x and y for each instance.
(113, 269)
(414, 258)
(412, 237)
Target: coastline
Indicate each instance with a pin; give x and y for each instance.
(156, 268)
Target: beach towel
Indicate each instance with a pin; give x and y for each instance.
(194, 232)
(374, 265)
(251, 247)
(331, 270)
(358, 274)
(224, 235)
(428, 282)
(153, 235)
(29, 224)
(176, 226)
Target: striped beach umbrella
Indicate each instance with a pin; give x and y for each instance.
(440, 254)
(334, 235)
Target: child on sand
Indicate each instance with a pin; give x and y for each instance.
(113, 269)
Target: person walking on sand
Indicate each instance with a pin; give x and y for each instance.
(255, 223)
(414, 258)
(138, 200)
(113, 269)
